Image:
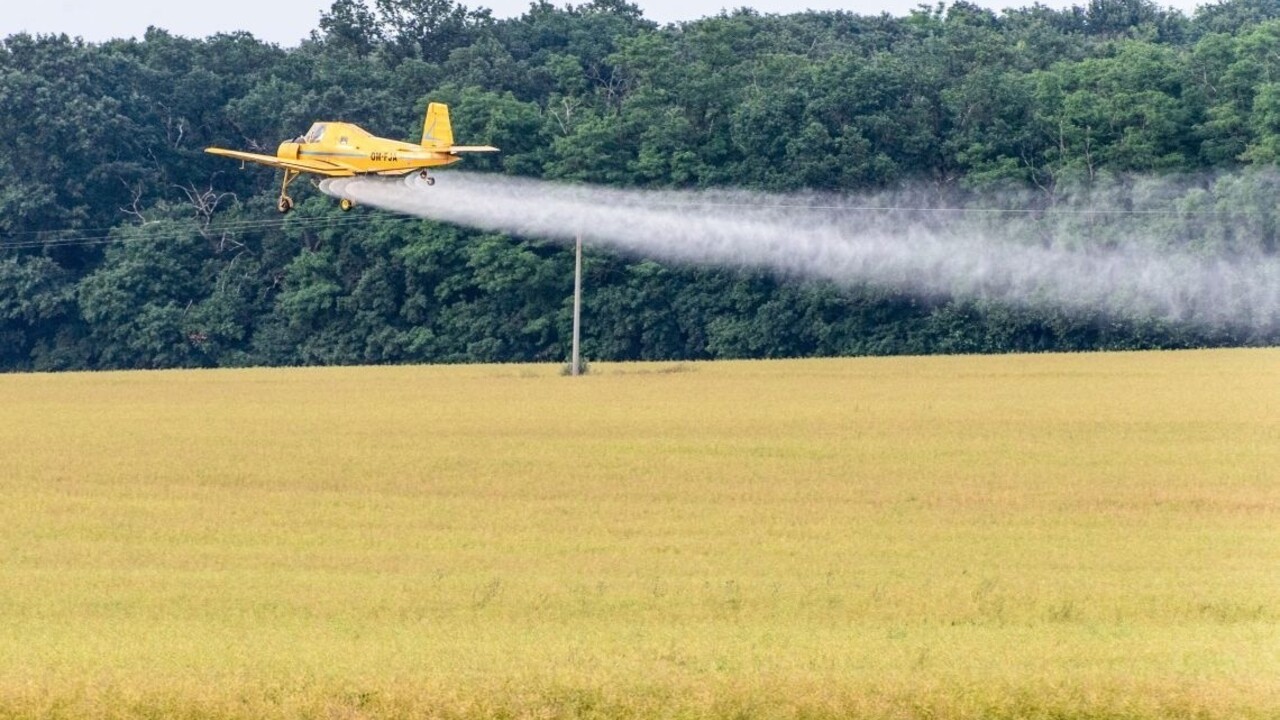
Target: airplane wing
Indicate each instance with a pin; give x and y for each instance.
(454, 149)
(319, 167)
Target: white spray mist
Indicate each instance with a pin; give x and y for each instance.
(992, 250)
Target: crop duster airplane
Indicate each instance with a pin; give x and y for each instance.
(337, 149)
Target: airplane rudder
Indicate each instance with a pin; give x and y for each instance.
(436, 129)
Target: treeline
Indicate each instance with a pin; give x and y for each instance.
(123, 245)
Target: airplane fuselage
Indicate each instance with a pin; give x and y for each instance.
(348, 146)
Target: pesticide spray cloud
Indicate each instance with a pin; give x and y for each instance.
(1197, 266)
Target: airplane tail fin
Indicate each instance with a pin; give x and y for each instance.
(436, 130)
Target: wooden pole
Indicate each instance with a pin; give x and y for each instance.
(577, 307)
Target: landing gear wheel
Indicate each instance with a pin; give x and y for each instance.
(286, 203)
(431, 181)
(427, 178)
(346, 205)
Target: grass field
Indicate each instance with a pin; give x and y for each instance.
(1055, 536)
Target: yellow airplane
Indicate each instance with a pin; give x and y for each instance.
(337, 149)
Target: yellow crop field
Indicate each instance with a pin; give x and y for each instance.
(1049, 536)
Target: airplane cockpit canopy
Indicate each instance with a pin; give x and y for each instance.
(315, 133)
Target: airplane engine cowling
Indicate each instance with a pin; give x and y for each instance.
(288, 151)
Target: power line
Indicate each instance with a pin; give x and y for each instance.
(106, 238)
(903, 208)
(244, 226)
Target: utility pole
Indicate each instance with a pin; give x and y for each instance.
(577, 306)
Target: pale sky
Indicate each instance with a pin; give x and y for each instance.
(286, 22)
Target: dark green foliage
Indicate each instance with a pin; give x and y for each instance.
(186, 268)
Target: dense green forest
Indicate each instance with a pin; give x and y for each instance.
(122, 245)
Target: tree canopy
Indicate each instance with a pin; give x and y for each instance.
(122, 245)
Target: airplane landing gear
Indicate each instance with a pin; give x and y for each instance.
(346, 205)
(427, 178)
(285, 204)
